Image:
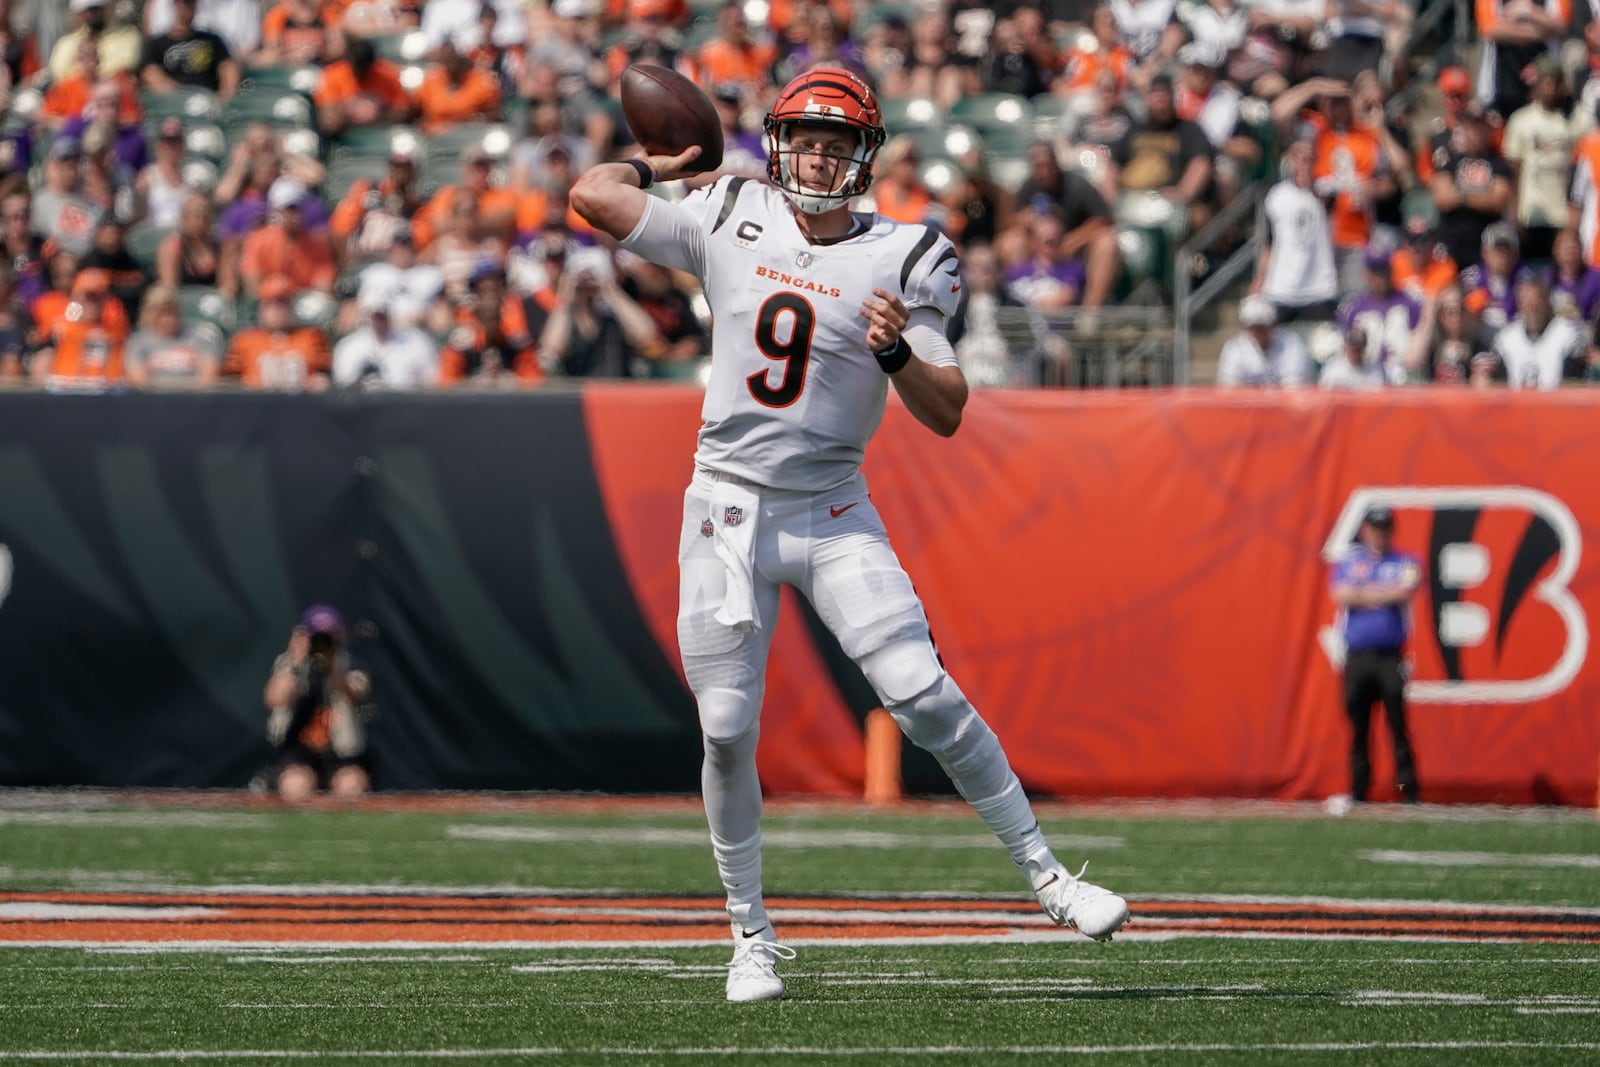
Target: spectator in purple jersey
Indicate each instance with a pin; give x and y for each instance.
(1047, 280)
(1574, 285)
(104, 108)
(744, 151)
(1385, 317)
(1490, 285)
(249, 209)
(826, 43)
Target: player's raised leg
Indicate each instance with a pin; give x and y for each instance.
(860, 590)
(726, 671)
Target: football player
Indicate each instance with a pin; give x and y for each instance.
(817, 310)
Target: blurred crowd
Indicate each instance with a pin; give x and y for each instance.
(297, 194)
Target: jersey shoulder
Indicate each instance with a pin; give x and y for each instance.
(927, 266)
(714, 205)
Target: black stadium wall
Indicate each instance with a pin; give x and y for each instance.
(158, 548)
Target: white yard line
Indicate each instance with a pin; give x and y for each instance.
(344, 959)
(144, 819)
(1464, 858)
(27, 909)
(771, 838)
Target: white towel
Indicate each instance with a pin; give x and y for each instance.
(733, 522)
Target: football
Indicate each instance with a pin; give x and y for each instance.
(667, 113)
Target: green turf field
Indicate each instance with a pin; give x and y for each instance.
(1442, 994)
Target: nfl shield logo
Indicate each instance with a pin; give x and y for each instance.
(803, 259)
(732, 516)
(706, 529)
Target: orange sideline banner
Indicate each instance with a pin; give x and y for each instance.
(1133, 588)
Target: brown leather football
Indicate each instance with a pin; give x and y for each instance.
(667, 113)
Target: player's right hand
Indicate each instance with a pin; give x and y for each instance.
(671, 168)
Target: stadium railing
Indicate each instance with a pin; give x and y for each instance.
(1192, 261)
(1425, 27)
(1107, 347)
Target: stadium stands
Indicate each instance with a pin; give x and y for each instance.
(1240, 95)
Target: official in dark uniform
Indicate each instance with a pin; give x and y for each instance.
(1373, 585)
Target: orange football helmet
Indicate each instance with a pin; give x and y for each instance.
(824, 96)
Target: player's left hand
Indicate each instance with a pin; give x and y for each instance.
(887, 317)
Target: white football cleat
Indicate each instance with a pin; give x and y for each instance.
(753, 972)
(1097, 912)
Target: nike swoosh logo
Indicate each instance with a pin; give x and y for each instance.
(836, 512)
(753, 933)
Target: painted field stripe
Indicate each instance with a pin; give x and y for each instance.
(189, 1055)
(770, 838)
(509, 895)
(18, 910)
(1055, 937)
(1406, 857)
(134, 820)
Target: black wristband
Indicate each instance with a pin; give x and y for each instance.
(895, 357)
(647, 175)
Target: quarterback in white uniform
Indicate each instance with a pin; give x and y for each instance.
(817, 310)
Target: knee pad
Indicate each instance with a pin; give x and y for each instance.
(902, 670)
(726, 715)
(927, 704)
(938, 719)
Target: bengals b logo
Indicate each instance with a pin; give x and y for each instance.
(1494, 621)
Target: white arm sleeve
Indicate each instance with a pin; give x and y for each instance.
(925, 333)
(670, 235)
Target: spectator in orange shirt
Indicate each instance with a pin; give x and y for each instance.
(545, 201)
(1350, 169)
(732, 57)
(85, 345)
(496, 206)
(299, 33)
(508, 64)
(68, 98)
(898, 190)
(361, 90)
(455, 91)
(1422, 267)
(459, 246)
(284, 247)
(49, 307)
(1084, 64)
(785, 15)
(490, 343)
(675, 13)
(276, 354)
(372, 213)
(647, 41)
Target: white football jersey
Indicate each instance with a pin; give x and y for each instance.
(795, 394)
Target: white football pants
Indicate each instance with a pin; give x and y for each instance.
(834, 549)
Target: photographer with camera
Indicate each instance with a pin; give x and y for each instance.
(596, 330)
(313, 695)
